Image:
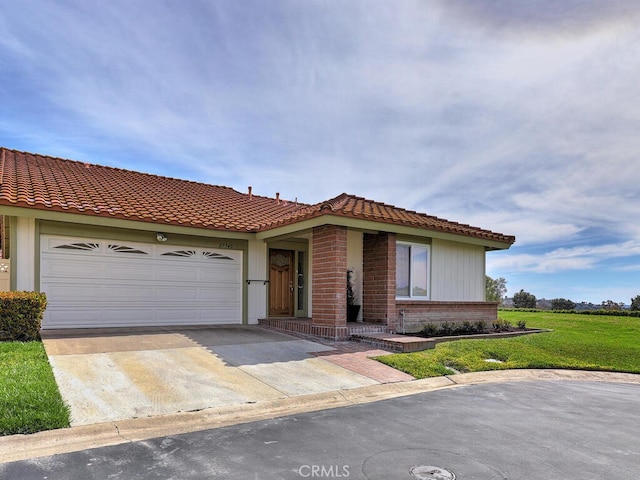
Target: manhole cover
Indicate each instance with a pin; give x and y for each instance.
(413, 463)
(426, 472)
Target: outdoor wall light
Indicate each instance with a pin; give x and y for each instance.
(161, 237)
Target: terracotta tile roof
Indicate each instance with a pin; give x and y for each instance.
(357, 207)
(54, 184)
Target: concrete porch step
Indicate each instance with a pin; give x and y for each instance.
(394, 342)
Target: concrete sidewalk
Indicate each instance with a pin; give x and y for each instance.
(21, 447)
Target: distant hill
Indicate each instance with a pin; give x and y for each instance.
(545, 304)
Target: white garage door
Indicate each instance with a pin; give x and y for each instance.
(112, 283)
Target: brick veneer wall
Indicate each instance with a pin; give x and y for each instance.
(418, 314)
(329, 282)
(306, 327)
(379, 278)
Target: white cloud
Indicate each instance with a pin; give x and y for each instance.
(545, 263)
(564, 259)
(629, 268)
(518, 118)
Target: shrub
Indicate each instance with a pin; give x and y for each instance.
(467, 327)
(446, 328)
(501, 325)
(429, 330)
(617, 313)
(21, 314)
(522, 324)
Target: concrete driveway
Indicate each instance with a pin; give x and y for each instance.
(113, 374)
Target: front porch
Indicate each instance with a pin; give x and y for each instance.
(371, 334)
(306, 326)
(371, 257)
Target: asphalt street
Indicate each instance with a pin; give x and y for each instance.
(524, 430)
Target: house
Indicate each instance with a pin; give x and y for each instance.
(118, 248)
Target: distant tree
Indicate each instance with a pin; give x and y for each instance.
(635, 303)
(611, 305)
(562, 304)
(495, 289)
(582, 306)
(543, 304)
(524, 299)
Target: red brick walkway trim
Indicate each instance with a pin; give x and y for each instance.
(305, 327)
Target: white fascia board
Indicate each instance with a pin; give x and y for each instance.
(121, 223)
(376, 227)
(368, 226)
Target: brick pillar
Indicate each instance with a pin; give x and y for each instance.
(329, 282)
(379, 278)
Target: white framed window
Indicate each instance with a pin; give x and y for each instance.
(412, 271)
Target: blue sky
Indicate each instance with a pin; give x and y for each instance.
(520, 117)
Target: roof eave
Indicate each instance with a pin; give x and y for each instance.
(122, 222)
(375, 225)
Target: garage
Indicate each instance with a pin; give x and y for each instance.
(114, 283)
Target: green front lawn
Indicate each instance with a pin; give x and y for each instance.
(586, 342)
(29, 396)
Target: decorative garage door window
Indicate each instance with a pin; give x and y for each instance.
(193, 253)
(126, 249)
(80, 247)
(180, 253)
(140, 250)
(216, 256)
(87, 247)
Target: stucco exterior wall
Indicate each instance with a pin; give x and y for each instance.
(457, 271)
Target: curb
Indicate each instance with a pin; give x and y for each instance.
(73, 439)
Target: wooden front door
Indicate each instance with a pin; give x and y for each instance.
(281, 287)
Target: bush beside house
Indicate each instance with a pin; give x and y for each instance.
(21, 315)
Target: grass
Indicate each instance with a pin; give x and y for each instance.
(29, 397)
(585, 342)
(30, 400)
